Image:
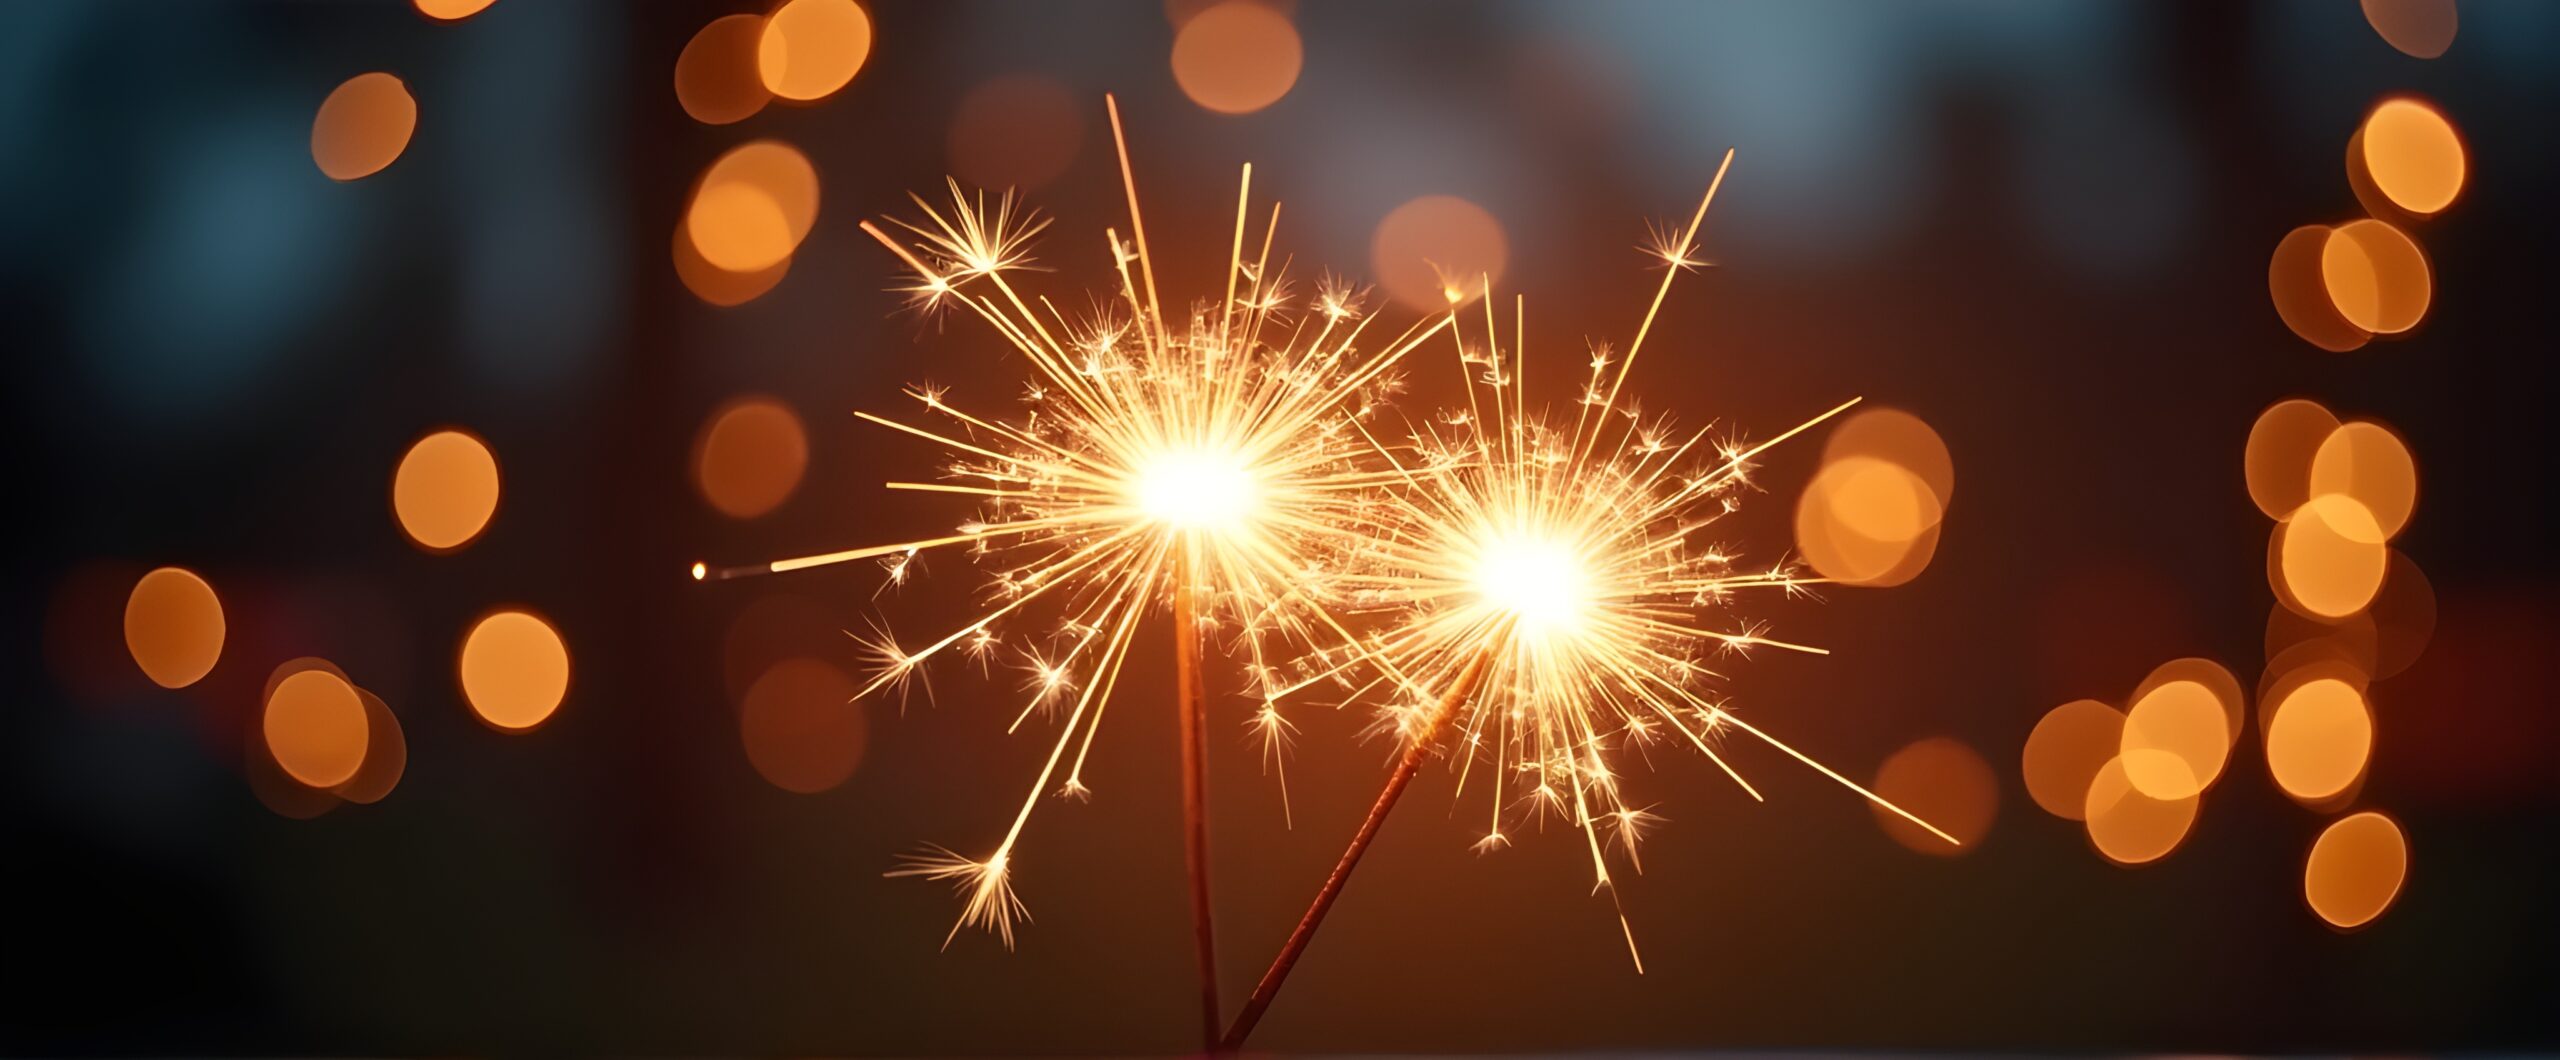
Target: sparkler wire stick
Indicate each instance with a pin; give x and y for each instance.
(1416, 751)
(1191, 692)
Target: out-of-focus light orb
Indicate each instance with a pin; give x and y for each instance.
(2412, 155)
(2376, 276)
(2066, 750)
(2213, 676)
(2176, 739)
(1018, 131)
(445, 490)
(2419, 28)
(2332, 556)
(2301, 294)
(719, 286)
(2364, 460)
(363, 126)
(2129, 827)
(810, 48)
(1946, 784)
(2277, 458)
(316, 728)
(452, 10)
(2355, 869)
(1868, 522)
(514, 670)
(173, 626)
(1437, 251)
(749, 457)
(1237, 57)
(753, 207)
(717, 81)
(2318, 739)
(1899, 438)
(386, 754)
(802, 728)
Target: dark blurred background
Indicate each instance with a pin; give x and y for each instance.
(2042, 227)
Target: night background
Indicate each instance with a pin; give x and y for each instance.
(2044, 229)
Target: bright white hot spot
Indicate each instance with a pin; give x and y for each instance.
(1539, 581)
(1198, 489)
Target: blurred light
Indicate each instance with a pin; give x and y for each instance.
(1946, 784)
(1237, 57)
(445, 490)
(315, 726)
(363, 126)
(2066, 750)
(1899, 438)
(1437, 251)
(386, 754)
(2129, 827)
(1864, 521)
(801, 726)
(2277, 459)
(173, 626)
(719, 286)
(1019, 131)
(2403, 616)
(2213, 676)
(452, 10)
(2364, 460)
(2302, 664)
(774, 628)
(2318, 739)
(2420, 28)
(2355, 869)
(2301, 295)
(2175, 742)
(753, 206)
(811, 48)
(514, 670)
(2410, 154)
(749, 456)
(2331, 557)
(2376, 276)
(716, 77)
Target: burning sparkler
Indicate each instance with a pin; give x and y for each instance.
(1208, 464)
(1548, 598)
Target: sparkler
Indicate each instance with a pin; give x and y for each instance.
(1548, 599)
(1210, 465)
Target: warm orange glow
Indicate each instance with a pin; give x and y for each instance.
(753, 207)
(363, 126)
(1237, 57)
(2279, 453)
(445, 490)
(2301, 296)
(2176, 739)
(386, 754)
(2376, 276)
(1901, 439)
(2419, 28)
(315, 726)
(2412, 156)
(452, 10)
(173, 626)
(514, 669)
(1864, 521)
(1436, 251)
(2355, 869)
(801, 726)
(719, 286)
(716, 77)
(1945, 783)
(2066, 750)
(749, 456)
(1019, 131)
(2366, 461)
(2129, 827)
(2318, 739)
(2301, 665)
(811, 48)
(2330, 557)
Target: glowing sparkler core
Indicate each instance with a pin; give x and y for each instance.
(1203, 489)
(1539, 580)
